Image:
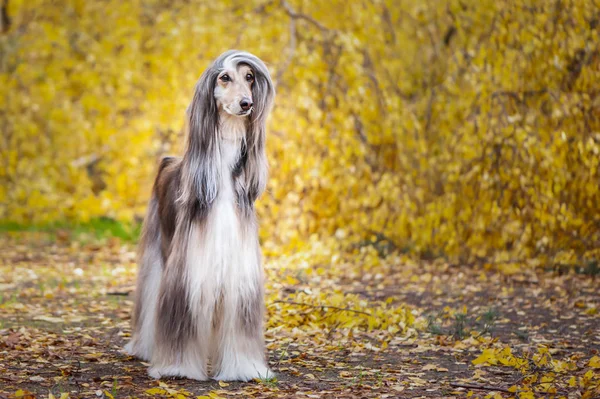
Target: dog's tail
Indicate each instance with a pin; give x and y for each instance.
(148, 256)
(150, 265)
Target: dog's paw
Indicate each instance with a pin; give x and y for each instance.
(245, 373)
(138, 349)
(153, 372)
(176, 371)
(129, 348)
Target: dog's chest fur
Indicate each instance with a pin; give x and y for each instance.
(223, 228)
(223, 254)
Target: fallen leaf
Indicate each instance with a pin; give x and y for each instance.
(49, 319)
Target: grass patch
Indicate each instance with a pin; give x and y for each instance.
(433, 326)
(488, 320)
(270, 380)
(98, 229)
(459, 326)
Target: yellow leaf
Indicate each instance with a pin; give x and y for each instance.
(526, 395)
(594, 362)
(572, 381)
(64, 395)
(488, 356)
(24, 394)
(156, 391)
(291, 280)
(223, 384)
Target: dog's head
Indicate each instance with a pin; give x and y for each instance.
(238, 84)
(233, 91)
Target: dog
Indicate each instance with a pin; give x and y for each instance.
(199, 301)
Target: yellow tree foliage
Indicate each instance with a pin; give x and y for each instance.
(466, 128)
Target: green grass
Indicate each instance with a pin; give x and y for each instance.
(99, 228)
(459, 326)
(433, 326)
(268, 381)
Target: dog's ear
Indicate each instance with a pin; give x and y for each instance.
(256, 168)
(200, 174)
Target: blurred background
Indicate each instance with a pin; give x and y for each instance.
(468, 130)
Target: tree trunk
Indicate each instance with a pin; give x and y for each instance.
(4, 19)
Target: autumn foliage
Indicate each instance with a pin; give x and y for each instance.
(468, 129)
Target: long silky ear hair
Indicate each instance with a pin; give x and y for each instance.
(263, 94)
(200, 173)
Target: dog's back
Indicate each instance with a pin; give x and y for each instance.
(166, 188)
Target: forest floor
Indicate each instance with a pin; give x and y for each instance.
(410, 329)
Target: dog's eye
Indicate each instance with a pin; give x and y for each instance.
(250, 78)
(225, 78)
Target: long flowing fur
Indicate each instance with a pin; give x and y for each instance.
(199, 297)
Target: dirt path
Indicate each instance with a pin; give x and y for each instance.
(64, 319)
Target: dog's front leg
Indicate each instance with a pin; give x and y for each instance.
(238, 342)
(179, 351)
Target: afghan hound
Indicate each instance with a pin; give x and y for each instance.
(200, 290)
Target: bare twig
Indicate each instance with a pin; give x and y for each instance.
(4, 18)
(477, 386)
(383, 237)
(262, 7)
(294, 15)
(324, 307)
(429, 112)
(333, 329)
(285, 351)
(291, 51)
(297, 15)
(119, 293)
(369, 69)
(123, 290)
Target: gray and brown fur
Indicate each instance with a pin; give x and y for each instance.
(190, 310)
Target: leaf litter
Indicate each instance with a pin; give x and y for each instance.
(336, 327)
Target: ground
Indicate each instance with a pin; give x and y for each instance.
(336, 328)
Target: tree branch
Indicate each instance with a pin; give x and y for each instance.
(477, 386)
(4, 18)
(296, 15)
(291, 52)
(323, 307)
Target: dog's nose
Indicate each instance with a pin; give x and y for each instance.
(246, 104)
